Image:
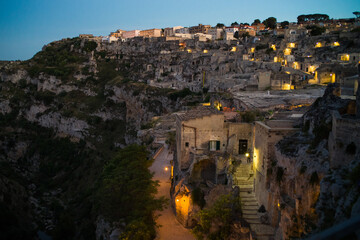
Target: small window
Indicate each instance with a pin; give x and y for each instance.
(187, 144)
(214, 145)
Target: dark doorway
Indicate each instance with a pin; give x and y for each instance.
(243, 146)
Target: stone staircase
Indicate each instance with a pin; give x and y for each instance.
(243, 177)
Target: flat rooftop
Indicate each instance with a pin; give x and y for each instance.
(278, 99)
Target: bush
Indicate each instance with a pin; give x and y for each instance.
(180, 94)
(90, 46)
(128, 192)
(222, 213)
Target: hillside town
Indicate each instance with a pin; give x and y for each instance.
(250, 131)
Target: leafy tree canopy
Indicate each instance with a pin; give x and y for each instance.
(234, 24)
(270, 22)
(317, 17)
(220, 25)
(256, 21)
(284, 24)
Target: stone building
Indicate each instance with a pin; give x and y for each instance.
(203, 131)
(267, 134)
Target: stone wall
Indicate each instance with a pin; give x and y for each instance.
(344, 140)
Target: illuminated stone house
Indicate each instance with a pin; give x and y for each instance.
(204, 133)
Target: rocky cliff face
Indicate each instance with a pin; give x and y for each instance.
(64, 114)
(311, 195)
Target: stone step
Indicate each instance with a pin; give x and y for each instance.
(244, 200)
(247, 207)
(253, 221)
(250, 211)
(250, 216)
(249, 204)
(245, 194)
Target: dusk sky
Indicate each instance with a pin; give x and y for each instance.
(27, 25)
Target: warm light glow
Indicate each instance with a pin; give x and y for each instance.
(318, 45)
(278, 204)
(206, 104)
(287, 51)
(206, 51)
(166, 168)
(291, 45)
(275, 59)
(252, 49)
(217, 105)
(345, 57)
(336, 44)
(273, 46)
(287, 72)
(295, 65)
(256, 158)
(233, 49)
(286, 86)
(182, 205)
(189, 51)
(312, 69)
(332, 77)
(247, 154)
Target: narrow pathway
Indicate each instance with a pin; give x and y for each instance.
(170, 228)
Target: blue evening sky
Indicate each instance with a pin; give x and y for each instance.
(27, 25)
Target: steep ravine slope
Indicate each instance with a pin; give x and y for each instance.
(63, 115)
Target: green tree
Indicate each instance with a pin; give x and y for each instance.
(220, 25)
(256, 21)
(316, 30)
(235, 23)
(222, 213)
(284, 24)
(236, 35)
(127, 192)
(270, 22)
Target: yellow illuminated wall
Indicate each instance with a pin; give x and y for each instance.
(291, 45)
(318, 45)
(275, 59)
(233, 49)
(345, 57)
(295, 65)
(252, 49)
(311, 69)
(182, 203)
(287, 51)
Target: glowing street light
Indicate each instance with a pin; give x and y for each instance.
(247, 154)
(166, 168)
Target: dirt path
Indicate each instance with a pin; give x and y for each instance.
(170, 228)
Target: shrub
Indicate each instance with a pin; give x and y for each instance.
(221, 214)
(126, 178)
(90, 46)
